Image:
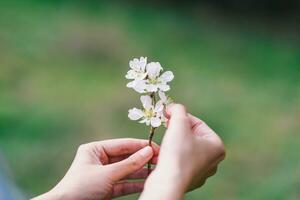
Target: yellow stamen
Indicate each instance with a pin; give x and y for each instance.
(149, 113)
(152, 81)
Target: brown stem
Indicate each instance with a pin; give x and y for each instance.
(151, 134)
(152, 131)
(152, 95)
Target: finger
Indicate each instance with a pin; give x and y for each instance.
(179, 120)
(196, 185)
(140, 174)
(125, 188)
(176, 110)
(136, 161)
(154, 160)
(211, 172)
(200, 128)
(117, 159)
(195, 123)
(203, 180)
(125, 146)
(120, 158)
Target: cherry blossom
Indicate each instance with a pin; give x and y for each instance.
(155, 81)
(149, 78)
(137, 73)
(150, 115)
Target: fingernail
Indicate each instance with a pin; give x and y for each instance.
(170, 106)
(146, 152)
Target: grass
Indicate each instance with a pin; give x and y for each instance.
(62, 83)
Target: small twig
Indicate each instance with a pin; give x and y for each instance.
(152, 130)
(151, 134)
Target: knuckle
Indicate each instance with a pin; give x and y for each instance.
(214, 172)
(202, 183)
(183, 119)
(217, 150)
(134, 164)
(125, 149)
(220, 149)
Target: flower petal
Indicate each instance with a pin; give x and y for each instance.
(135, 114)
(164, 87)
(167, 76)
(134, 64)
(162, 96)
(138, 65)
(141, 76)
(143, 63)
(139, 90)
(151, 88)
(130, 84)
(155, 122)
(153, 69)
(146, 121)
(138, 85)
(131, 74)
(146, 101)
(159, 106)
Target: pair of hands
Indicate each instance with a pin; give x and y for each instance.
(189, 154)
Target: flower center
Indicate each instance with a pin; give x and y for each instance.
(152, 81)
(149, 113)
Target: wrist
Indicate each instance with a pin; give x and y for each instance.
(162, 184)
(179, 174)
(51, 195)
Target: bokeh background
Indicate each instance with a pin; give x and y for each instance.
(236, 66)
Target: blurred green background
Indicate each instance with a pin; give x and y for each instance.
(62, 67)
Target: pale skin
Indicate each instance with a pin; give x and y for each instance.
(189, 154)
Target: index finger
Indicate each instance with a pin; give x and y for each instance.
(200, 128)
(125, 146)
(178, 118)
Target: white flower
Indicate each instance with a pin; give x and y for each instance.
(155, 81)
(151, 115)
(138, 68)
(147, 77)
(137, 72)
(153, 70)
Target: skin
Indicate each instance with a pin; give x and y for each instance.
(189, 154)
(101, 170)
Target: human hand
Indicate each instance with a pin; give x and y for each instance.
(189, 154)
(100, 170)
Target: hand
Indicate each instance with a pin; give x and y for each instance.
(189, 154)
(100, 169)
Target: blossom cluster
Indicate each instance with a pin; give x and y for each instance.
(149, 80)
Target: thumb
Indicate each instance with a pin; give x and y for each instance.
(131, 164)
(179, 121)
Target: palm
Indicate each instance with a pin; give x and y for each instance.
(107, 155)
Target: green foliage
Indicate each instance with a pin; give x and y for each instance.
(62, 83)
